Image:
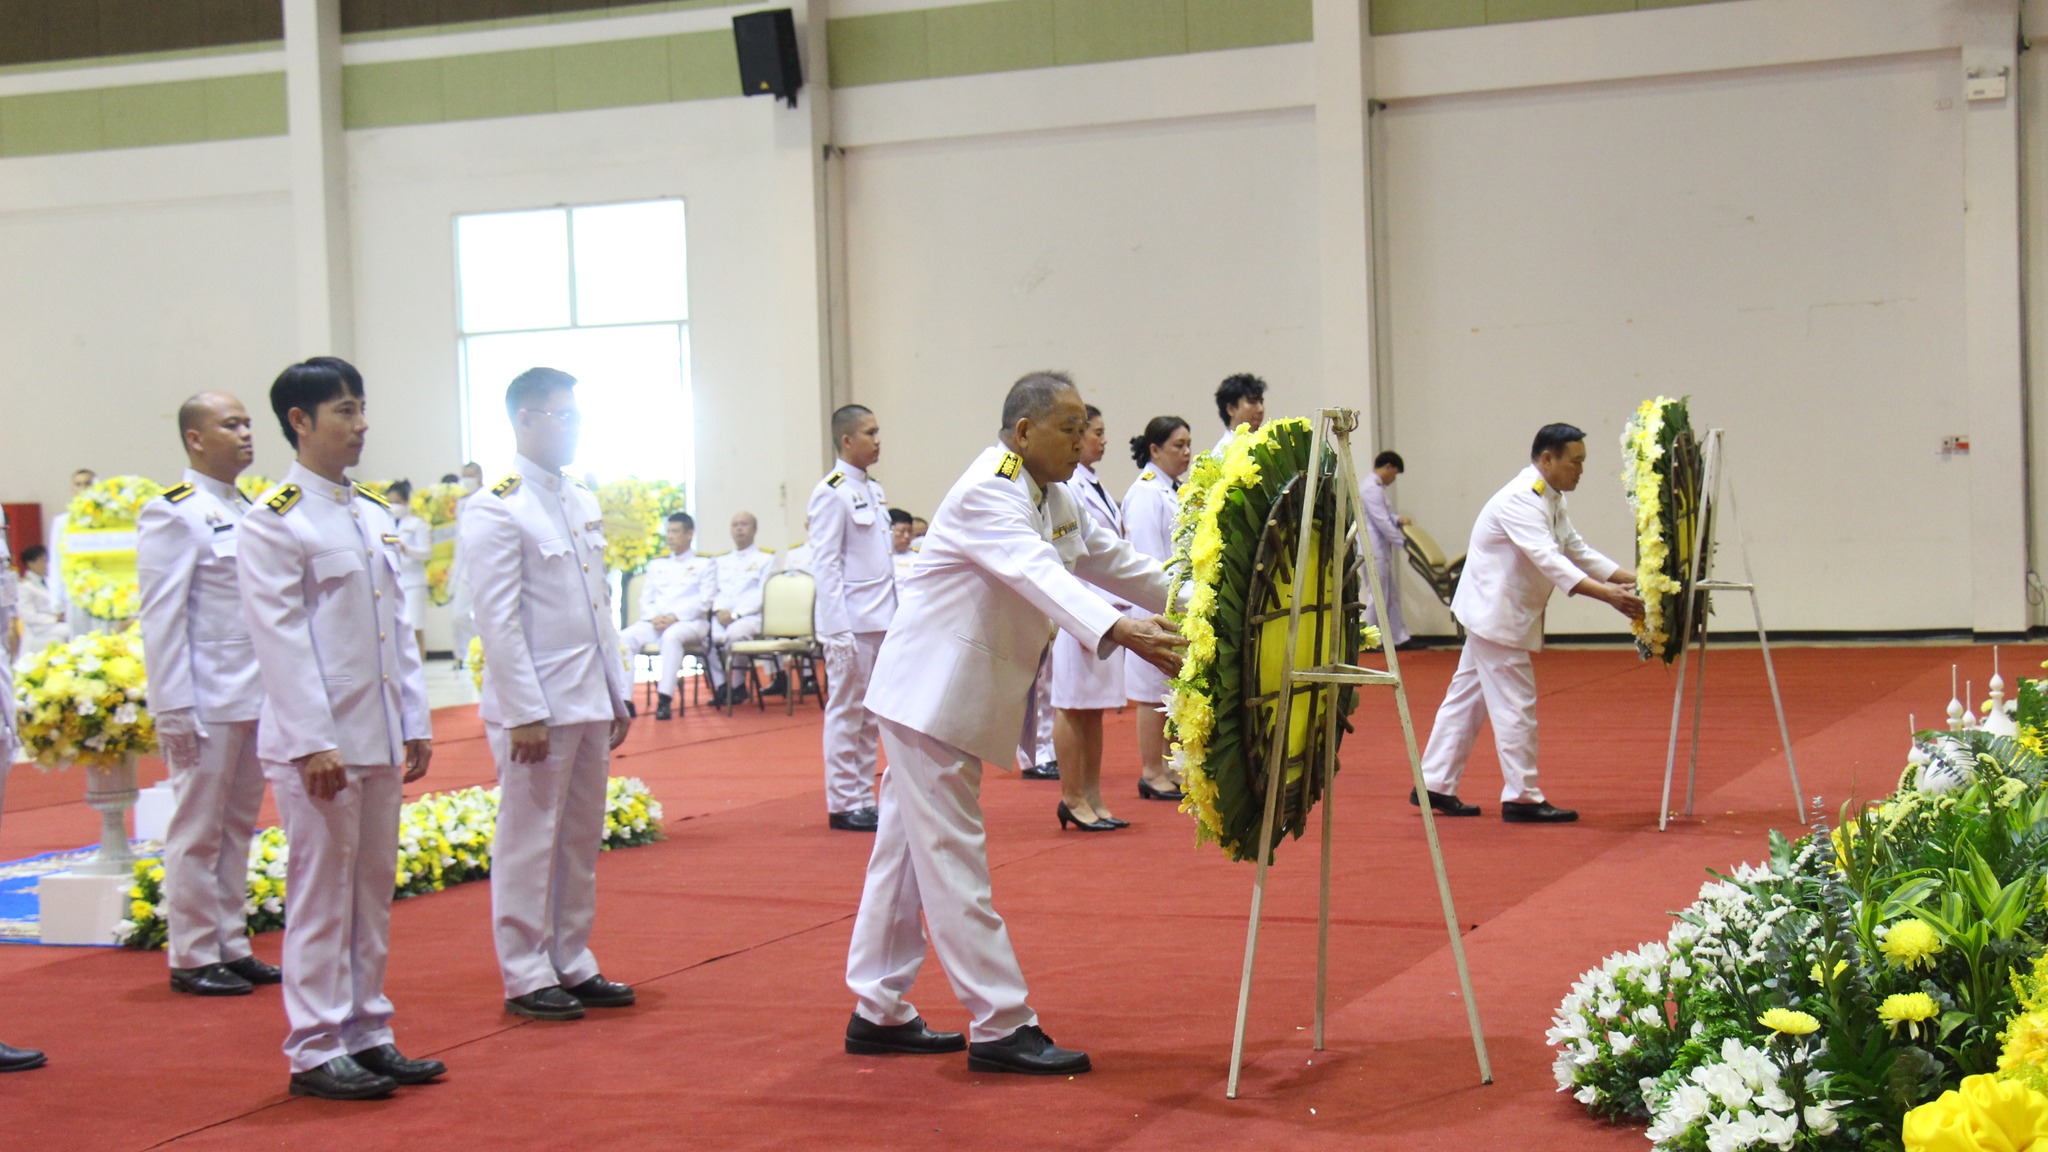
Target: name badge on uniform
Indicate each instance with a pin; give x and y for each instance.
(593, 525)
(391, 539)
(222, 526)
(1065, 529)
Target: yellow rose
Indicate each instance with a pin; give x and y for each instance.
(1982, 1114)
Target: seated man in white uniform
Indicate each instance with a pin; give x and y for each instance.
(1523, 546)
(1389, 545)
(736, 605)
(675, 607)
(1240, 399)
(1005, 559)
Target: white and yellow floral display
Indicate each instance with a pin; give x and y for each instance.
(99, 546)
(444, 839)
(1657, 454)
(436, 504)
(82, 702)
(634, 514)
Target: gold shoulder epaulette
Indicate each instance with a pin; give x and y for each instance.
(1148, 474)
(507, 486)
(178, 491)
(1537, 488)
(712, 555)
(372, 495)
(1010, 466)
(283, 499)
(835, 480)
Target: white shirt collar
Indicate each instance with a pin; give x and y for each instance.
(205, 483)
(842, 466)
(314, 484)
(527, 468)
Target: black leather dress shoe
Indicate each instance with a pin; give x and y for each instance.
(598, 992)
(778, 686)
(1522, 812)
(1028, 1050)
(632, 713)
(387, 1060)
(1050, 770)
(546, 1004)
(662, 711)
(1147, 792)
(1446, 804)
(858, 820)
(14, 1059)
(342, 1079)
(864, 1038)
(255, 971)
(209, 980)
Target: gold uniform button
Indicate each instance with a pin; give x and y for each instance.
(380, 635)
(377, 593)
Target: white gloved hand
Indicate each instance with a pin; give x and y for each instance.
(178, 731)
(838, 646)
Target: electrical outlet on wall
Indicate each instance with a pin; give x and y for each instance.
(1955, 445)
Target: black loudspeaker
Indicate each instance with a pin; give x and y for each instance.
(766, 42)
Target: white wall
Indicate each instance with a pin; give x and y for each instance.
(1785, 246)
(1151, 260)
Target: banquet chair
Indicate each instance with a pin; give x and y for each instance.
(787, 600)
(1428, 561)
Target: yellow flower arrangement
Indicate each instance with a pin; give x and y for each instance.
(1983, 1114)
(1646, 477)
(633, 515)
(444, 839)
(438, 504)
(1911, 944)
(474, 661)
(254, 486)
(1789, 1022)
(82, 702)
(99, 548)
(1911, 1009)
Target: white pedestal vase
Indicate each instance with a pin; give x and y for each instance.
(111, 793)
(83, 906)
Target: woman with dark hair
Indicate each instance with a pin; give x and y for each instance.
(1162, 454)
(1083, 687)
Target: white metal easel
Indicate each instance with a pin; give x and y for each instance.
(1333, 433)
(1703, 560)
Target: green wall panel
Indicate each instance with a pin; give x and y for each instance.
(1091, 31)
(1512, 11)
(611, 75)
(1215, 25)
(1004, 36)
(144, 114)
(238, 107)
(45, 122)
(393, 93)
(702, 66)
(518, 83)
(877, 49)
(1392, 16)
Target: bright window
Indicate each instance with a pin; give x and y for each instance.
(601, 293)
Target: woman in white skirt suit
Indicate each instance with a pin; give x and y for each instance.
(1082, 685)
(1162, 455)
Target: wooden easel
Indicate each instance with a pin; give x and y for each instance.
(1703, 558)
(1333, 433)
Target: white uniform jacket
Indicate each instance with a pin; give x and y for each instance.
(796, 558)
(741, 573)
(678, 586)
(1003, 562)
(1150, 506)
(1087, 490)
(195, 636)
(535, 546)
(415, 548)
(319, 575)
(1379, 516)
(850, 556)
(1523, 545)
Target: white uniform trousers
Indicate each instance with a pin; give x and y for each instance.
(339, 873)
(1497, 682)
(1034, 740)
(931, 857)
(544, 859)
(678, 636)
(722, 635)
(850, 732)
(1395, 630)
(206, 848)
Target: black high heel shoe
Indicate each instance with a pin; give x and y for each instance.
(1113, 822)
(1067, 817)
(1147, 792)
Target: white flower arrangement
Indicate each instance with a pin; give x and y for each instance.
(1739, 1102)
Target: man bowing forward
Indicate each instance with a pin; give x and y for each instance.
(1004, 560)
(554, 703)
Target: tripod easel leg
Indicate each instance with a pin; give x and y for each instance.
(1671, 748)
(1778, 703)
(1251, 940)
(1699, 698)
(1330, 695)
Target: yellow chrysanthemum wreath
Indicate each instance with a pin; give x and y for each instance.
(1658, 455)
(436, 504)
(634, 512)
(99, 574)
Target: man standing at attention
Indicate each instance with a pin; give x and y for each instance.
(1523, 545)
(1005, 559)
(849, 537)
(344, 727)
(206, 696)
(675, 607)
(554, 703)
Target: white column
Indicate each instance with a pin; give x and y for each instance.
(1992, 324)
(1343, 54)
(319, 178)
(801, 137)
(2031, 90)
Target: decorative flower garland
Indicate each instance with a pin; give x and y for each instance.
(635, 511)
(1664, 519)
(82, 702)
(436, 504)
(1224, 503)
(444, 839)
(1880, 985)
(99, 573)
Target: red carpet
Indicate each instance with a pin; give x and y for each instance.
(735, 931)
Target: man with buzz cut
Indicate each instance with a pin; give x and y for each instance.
(206, 697)
(850, 522)
(1002, 566)
(344, 727)
(554, 703)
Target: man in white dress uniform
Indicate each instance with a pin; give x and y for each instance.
(206, 696)
(1389, 545)
(1004, 561)
(1523, 546)
(1240, 399)
(554, 703)
(736, 606)
(849, 539)
(344, 719)
(675, 607)
(12, 1059)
